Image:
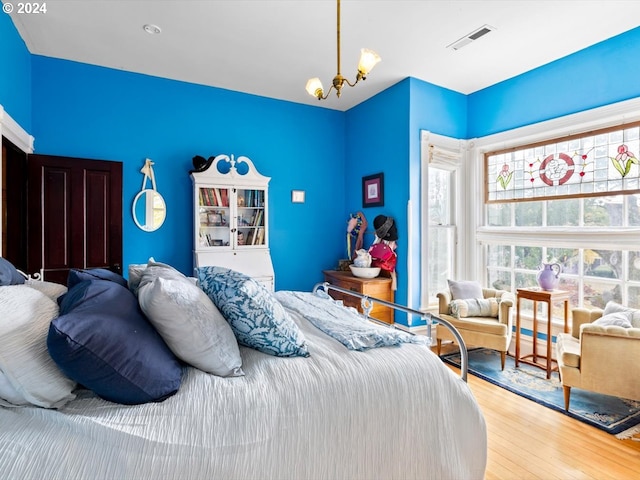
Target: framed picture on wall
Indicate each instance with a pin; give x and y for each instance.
(373, 190)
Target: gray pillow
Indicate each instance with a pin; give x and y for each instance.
(135, 274)
(50, 289)
(188, 321)
(465, 289)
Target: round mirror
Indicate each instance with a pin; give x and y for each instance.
(149, 210)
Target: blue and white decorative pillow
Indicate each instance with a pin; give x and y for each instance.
(256, 317)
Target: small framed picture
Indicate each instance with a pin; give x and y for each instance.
(215, 219)
(217, 242)
(297, 196)
(373, 190)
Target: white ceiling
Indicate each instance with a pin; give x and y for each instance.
(271, 47)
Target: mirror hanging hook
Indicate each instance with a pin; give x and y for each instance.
(147, 170)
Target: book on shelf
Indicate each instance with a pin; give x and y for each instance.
(257, 218)
(205, 197)
(214, 197)
(218, 198)
(249, 237)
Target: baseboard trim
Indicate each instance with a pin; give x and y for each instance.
(417, 330)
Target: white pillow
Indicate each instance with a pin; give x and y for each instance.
(9, 396)
(634, 314)
(135, 274)
(619, 319)
(465, 289)
(50, 289)
(25, 363)
(474, 307)
(188, 321)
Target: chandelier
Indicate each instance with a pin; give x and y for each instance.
(368, 60)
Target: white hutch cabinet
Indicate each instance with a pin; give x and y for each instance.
(231, 217)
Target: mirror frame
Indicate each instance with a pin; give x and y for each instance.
(147, 227)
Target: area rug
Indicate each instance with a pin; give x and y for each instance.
(614, 415)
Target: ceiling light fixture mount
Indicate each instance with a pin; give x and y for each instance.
(152, 29)
(368, 60)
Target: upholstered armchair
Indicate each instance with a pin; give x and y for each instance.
(491, 331)
(601, 357)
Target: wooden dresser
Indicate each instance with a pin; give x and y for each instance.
(379, 287)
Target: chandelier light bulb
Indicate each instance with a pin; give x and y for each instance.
(368, 60)
(314, 87)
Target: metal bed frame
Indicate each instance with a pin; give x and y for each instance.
(367, 305)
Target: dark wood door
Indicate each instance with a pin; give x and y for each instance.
(75, 215)
(14, 205)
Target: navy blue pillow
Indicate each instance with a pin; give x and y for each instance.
(76, 276)
(103, 341)
(8, 273)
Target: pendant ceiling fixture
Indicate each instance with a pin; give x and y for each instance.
(368, 60)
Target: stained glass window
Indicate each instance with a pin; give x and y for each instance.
(585, 165)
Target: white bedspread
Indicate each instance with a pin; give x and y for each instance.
(387, 413)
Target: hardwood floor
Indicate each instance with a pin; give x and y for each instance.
(529, 441)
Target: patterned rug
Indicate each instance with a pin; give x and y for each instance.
(614, 415)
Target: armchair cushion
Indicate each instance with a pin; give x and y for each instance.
(475, 307)
(568, 348)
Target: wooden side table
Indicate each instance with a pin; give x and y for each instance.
(379, 287)
(538, 295)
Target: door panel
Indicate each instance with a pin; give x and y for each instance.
(56, 230)
(97, 215)
(75, 215)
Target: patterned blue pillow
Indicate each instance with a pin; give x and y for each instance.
(256, 317)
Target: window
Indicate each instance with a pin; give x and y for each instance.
(442, 159)
(441, 231)
(590, 238)
(574, 201)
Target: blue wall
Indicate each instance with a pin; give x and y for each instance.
(602, 74)
(92, 112)
(384, 136)
(15, 74)
(377, 142)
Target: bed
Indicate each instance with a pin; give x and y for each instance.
(386, 412)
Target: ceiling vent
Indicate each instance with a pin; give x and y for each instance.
(470, 37)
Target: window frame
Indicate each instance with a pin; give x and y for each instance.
(446, 153)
